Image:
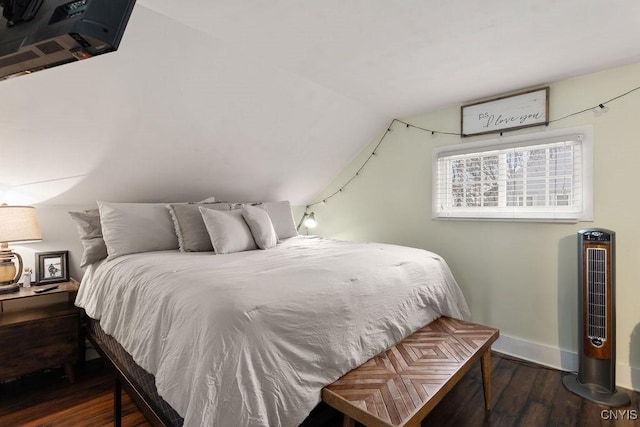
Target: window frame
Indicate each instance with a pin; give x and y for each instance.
(511, 213)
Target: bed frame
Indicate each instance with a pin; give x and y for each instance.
(138, 383)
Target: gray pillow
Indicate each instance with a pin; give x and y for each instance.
(282, 219)
(87, 223)
(228, 230)
(260, 225)
(136, 227)
(90, 231)
(189, 226)
(94, 250)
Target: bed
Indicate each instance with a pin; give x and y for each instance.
(250, 338)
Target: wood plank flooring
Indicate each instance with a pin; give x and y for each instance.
(524, 395)
(48, 399)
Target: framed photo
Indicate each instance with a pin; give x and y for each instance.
(52, 267)
(510, 112)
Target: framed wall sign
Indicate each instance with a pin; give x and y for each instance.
(52, 267)
(511, 112)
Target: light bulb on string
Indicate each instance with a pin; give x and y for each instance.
(600, 109)
(310, 220)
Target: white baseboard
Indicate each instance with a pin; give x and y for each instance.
(626, 376)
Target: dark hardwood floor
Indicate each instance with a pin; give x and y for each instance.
(523, 394)
(48, 399)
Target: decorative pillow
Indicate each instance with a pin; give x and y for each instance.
(90, 231)
(282, 219)
(260, 225)
(136, 227)
(228, 231)
(189, 226)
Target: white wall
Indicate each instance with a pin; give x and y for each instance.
(519, 277)
(174, 114)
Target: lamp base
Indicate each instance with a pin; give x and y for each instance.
(10, 288)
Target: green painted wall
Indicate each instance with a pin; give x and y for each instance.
(519, 277)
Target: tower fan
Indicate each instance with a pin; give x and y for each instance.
(596, 378)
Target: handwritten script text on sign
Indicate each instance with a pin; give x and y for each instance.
(527, 109)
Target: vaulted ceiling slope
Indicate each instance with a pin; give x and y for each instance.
(271, 100)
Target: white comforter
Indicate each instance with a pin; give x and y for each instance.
(250, 339)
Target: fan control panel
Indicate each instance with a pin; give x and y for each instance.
(597, 236)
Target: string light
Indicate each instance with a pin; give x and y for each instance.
(598, 109)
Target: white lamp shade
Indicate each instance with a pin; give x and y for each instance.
(18, 224)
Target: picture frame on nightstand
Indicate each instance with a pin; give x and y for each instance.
(52, 267)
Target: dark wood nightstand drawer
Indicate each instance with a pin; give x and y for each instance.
(38, 338)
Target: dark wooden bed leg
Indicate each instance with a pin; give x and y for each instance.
(486, 378)
(117, 403)
(347, 421)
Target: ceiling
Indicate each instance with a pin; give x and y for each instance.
(251, 100)
(411, 56)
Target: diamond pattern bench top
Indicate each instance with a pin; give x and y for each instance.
(400, 386)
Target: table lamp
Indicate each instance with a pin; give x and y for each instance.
(17, 224)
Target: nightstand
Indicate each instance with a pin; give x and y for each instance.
(32, 339)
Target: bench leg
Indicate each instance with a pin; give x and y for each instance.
(347, 421)
(486, 378)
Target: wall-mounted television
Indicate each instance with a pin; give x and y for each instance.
(40, 34)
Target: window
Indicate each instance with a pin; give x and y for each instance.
(518, 178)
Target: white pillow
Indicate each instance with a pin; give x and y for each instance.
(130, 228)
(228, 231)
(260, 225)
(282, 219)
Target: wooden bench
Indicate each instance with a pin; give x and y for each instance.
(402, 385)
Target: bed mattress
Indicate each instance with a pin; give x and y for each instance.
(250, 339)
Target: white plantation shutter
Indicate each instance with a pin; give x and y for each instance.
(543, 179)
